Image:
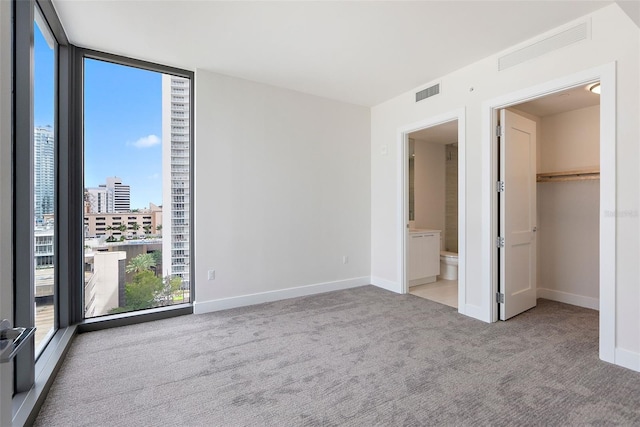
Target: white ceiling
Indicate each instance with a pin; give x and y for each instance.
(561, 102)
(358, 52)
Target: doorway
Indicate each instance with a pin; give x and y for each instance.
(433, 213)
(606, 193)
(437, 139)
(548, 217)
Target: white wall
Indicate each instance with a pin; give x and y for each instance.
(571, 140)
(568, 242)
(568, 212)
(429, 185)
(282, 192)
(614, 38)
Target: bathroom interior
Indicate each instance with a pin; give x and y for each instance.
(567, 192)
(433, 213)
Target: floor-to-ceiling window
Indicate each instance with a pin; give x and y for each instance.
(44, 180)
(137, 139)
(34, 185)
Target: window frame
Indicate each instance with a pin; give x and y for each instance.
(115, 320)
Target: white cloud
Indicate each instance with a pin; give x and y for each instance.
(147, 141)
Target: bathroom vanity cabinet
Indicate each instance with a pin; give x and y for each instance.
(424, 256)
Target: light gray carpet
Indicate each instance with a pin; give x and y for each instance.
(359, 357)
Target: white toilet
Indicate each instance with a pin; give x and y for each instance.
(448, 265)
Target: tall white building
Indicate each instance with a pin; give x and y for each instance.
(100, 199)
(112, 197)
(175, 177)
(121, 194)
(44, 172)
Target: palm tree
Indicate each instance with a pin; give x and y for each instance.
(159, 228)
(135, 227)
(122, 228)
(147, 229)
(140, 263)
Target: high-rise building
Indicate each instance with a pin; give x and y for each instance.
(121, 194)
(112, 197)
(100, 199)
(44, 172)
(176, 140)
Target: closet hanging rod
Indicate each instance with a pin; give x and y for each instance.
(575, 175)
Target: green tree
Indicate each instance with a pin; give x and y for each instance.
(147, 229)
(135, 227)
(143, 291)
(159, 228)
(122, 228)
(110, 238)
(140, 263)
(157, 257)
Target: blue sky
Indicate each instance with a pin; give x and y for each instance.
(43, 81)
(123, 129)
(123, 122)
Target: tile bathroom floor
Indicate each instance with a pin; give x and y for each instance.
(442, 291)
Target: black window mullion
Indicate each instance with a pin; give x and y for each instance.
(23, 202)
(70, 171)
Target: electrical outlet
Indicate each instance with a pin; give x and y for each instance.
(211, 275)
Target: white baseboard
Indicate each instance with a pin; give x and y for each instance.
(386, 284)
(280, 294)
(628, 359)
(567, 298)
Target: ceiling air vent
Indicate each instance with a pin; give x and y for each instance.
(565, 38)
(428, 92)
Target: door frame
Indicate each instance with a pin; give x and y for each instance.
(403, 196)
(606, 75)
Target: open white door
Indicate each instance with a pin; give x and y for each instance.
(517, 253)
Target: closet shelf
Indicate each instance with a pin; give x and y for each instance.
(576, 175)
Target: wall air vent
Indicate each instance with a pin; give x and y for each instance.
(548, 44)
(428, 92)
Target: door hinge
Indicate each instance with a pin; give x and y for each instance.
(500, 242)
(498, 130)
(499, 298)
(500, 186)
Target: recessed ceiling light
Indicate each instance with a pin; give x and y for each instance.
(595, 88)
